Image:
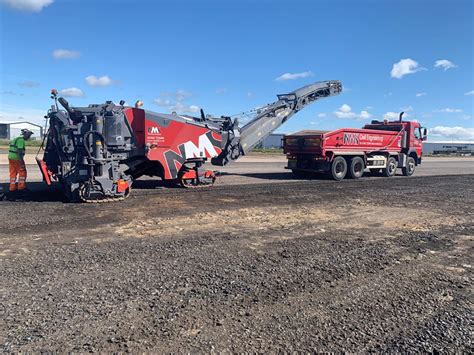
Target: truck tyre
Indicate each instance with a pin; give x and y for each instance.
(338, 168)
(356, 168)
(409, 169)
(391, 167)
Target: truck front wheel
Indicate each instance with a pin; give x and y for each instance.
(391, 167)
(356, 169)
(338, 168)
(409, 169)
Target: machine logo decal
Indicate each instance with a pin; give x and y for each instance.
(207, 146)
(204, 144)
(153, 130)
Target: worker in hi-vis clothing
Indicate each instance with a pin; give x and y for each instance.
(16, 161)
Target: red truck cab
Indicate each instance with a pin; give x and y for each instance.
(380, 147)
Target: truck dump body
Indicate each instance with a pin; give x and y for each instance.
(344, 141)
(377, 146)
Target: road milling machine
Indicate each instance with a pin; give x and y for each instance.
(96, 152)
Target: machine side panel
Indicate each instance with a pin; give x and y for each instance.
(136, 119)
(178, 143)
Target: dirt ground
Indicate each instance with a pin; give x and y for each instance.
(371, 265)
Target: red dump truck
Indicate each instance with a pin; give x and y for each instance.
(380, 147)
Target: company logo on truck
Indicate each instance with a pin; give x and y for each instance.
(351, 138)
(362, 138)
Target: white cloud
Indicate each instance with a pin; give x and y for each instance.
(452, 132)
(162, 102)
(364, 115)
(173, 101)
(420, 94)
(65, 54)
(28, 5)
(404, 67)
(28, 84)
(345, 108)
(180, 107)
(72, 92)
(182, 95)
(321, 115)
(469, 93)
(407, 108)
(249, 94)
(12, 114)
(345, 111)
(176, 106)
(178, 95)
(444, 64)
(220, 91)
(449, 110)
(10, 92)
(392, 115)
(104, 80)
(293, 76)
(466, 117)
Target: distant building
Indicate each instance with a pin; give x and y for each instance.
(273, 141)
(449, 147)
(10, 130)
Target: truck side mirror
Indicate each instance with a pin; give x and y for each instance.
(425, 134)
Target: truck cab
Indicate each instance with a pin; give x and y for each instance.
(415, 135)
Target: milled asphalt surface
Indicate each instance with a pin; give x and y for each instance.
(300, 265)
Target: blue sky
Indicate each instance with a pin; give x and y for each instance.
(227, 56)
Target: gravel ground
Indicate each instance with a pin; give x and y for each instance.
(369, 265)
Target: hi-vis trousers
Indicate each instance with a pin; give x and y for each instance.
(17, 168)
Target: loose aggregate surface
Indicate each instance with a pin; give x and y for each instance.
(371, 265)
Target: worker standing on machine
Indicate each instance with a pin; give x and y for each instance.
(16, 161)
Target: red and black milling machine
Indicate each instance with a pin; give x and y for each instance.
(96, 152)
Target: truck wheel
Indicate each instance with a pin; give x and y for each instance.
(410, 168)
(356, 169)
(391, 168)
(338, 168)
